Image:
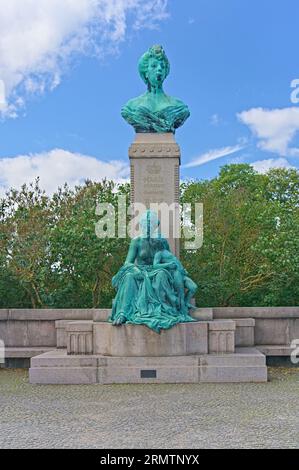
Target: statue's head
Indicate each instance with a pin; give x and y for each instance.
(154, 67)
(149, 224)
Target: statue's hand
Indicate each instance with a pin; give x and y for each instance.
(137, 274)
(172, 265)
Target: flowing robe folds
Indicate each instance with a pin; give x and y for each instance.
(143, 294)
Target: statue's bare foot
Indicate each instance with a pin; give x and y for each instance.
(120, 321)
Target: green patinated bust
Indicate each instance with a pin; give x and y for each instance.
(154, 111)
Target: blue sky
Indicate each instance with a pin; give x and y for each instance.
(67, 73)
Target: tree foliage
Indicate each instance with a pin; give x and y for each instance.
(250, 254)
(50, 255)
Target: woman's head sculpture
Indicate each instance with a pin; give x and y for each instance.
(154, 111)
(154, 66)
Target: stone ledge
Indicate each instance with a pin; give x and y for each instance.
(244, 322)
(138, 340)
(241, 357)
(102, 315)
(50, 314)
(79, 326)
(270, 350)
(222, 325)
(59, 358)
(25, 352)
(202, 314)
(256, 312)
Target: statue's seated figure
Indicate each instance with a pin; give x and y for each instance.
(184, 287)
(153, 288)
(155, 111)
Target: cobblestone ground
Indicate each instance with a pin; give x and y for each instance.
(150, 416)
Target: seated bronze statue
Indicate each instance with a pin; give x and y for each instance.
(153, 288)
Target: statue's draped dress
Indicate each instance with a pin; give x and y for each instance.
(143, 299)
(145, 120)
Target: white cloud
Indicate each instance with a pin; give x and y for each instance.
(56, 168)
(39, 38)
(263, 166)
(213, 155)
(275, 129)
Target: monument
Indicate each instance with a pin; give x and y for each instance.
(152, 334)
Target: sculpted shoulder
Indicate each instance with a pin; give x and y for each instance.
(176, 102)
(135, 103)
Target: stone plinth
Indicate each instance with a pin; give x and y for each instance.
(136, 340)
(222, 336)
(80, 338)
(155, 175)
(56, 367)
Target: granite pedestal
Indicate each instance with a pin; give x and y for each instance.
(100, 353)
(155, 176)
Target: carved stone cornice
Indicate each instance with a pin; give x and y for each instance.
(154, 150)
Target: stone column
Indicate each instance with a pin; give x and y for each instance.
(155, 175)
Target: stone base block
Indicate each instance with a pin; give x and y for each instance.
(244, 332)
(56, 367)
(246, 365)
(140, 341)
(222, 336)
(155, 370)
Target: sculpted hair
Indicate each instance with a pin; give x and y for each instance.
(155, 52)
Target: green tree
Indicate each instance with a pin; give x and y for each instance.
(250, 237)
(50, 255)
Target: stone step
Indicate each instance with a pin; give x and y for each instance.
(242, 357)
(63, 375)
(26, 352)
(270, 350)
(238, 374)
(59, 358)
(56, 367)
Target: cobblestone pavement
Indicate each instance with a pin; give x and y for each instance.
(150, 416)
